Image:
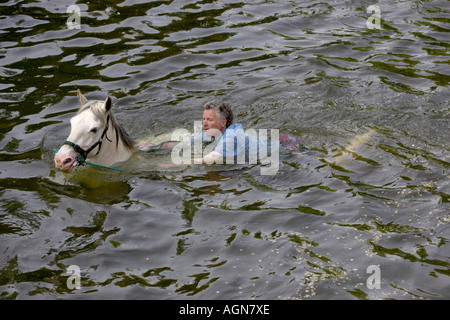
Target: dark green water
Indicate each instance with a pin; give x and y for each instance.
(308, 68)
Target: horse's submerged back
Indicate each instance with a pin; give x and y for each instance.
(95, 136)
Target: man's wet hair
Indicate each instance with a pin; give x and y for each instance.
(223, 109)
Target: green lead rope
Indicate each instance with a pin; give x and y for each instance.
(81, 161)
(146, 148)
(150, 147)
(97, 165)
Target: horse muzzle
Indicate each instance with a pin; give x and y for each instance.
(66, 160)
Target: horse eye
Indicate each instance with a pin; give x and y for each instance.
(94, 130)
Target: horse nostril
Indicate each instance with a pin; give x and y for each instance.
(67, 161)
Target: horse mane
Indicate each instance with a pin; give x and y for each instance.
(95, 107)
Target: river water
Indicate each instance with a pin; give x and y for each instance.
(375, 227)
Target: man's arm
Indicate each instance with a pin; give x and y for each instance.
(147, 145)
(210, 158)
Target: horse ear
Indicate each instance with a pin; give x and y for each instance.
(107, 105)
(82, 99)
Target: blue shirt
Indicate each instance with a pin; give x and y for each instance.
(234, 141)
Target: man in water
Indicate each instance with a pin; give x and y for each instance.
(231, 140)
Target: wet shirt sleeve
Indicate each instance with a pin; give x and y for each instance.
(232, 142)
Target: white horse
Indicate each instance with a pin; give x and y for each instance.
(94, 136)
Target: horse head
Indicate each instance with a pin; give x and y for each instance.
(93, 130)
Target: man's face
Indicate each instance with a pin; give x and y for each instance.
(211, 120)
